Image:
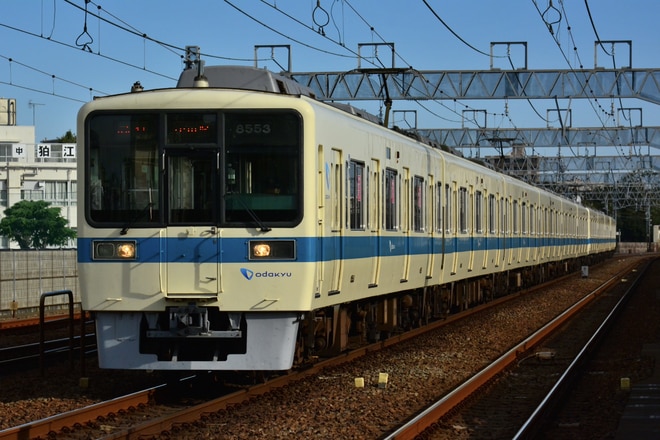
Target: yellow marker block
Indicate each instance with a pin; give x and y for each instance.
(382, 380)
(625, 383)
(359, 382)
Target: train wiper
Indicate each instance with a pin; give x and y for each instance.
(136, 217)
(253, 215)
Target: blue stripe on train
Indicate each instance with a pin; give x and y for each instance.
(310, 249)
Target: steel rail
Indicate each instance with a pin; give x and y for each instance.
(530, 428)
(164, 423)
(41, 428)
(447, 403)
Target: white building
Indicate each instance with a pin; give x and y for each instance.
(34, 171)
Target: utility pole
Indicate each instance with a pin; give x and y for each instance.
(34, 107)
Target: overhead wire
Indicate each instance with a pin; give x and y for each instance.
(452, 31)
(593, 102)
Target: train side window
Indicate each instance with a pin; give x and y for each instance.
(405, 200)
(449, 202)
(418, 204)
(438, 207)
(492, 214)
(374, 196)
(503, 217)
(391, 200)
(462, 209)
(478, 212)
(336, 192)
(356, 195)
(516, 229)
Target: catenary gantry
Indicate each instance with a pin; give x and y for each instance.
(407, 83)
(572, 166)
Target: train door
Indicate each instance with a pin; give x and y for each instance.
(374, 202)
(490, 228)
(405, 223)
(452, 204)
(191, 235)
(429, 227)
(503, 231)
(322, 186)
(471, 221)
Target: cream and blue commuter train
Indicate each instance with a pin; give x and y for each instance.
(236, 223)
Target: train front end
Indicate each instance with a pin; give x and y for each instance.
(192, 247)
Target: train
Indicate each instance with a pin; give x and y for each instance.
(236, 222)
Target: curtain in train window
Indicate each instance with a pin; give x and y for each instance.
(391, 200)
(356, 185)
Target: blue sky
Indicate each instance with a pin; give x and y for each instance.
(62, 56)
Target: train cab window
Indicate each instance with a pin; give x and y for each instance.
(418, 204)
(122, 169)
(191, 189)
(261, 168)
(391, 200)
(356, 186)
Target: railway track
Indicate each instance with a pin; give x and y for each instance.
(26, 344)
(326, 388)
(517, 395)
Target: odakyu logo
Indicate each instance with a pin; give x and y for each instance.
(248, 274)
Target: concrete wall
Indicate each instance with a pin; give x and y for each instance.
(638, 248)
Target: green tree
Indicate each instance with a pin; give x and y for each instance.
(68, 138)
(33, 224)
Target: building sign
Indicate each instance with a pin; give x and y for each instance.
(64, 151)
(43, 150)
(69, 151)
(18, 150)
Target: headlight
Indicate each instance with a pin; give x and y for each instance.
(272, 249)
(114, 250)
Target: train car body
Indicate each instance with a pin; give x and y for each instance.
(222, 228)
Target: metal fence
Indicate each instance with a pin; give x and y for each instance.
(26, 274)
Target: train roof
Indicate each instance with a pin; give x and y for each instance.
(245, 78)
(254, 79)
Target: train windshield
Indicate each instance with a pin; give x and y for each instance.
(238, 169)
